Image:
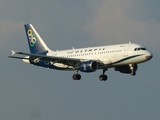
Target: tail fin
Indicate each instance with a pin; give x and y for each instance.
(35, 42)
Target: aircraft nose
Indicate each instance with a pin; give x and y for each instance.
(149, 56)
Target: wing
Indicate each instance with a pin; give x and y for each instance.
(35, 57)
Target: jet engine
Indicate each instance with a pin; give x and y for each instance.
(127, 68)
(88, 66)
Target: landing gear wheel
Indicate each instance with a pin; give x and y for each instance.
(103, 77)
(76, 77)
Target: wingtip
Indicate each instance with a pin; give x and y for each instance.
(13, 52)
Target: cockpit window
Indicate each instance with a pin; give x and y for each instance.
(143, 48)
(137, 49)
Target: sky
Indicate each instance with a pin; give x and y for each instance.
(33, 93)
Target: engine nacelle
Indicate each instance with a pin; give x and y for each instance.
(126, 68)
(88, 66)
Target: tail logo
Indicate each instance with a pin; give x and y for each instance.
(31, 38)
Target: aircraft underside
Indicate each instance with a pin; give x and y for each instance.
(127, 69)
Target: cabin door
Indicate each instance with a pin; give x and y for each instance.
(125, 50)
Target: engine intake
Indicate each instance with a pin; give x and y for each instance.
(88, 66)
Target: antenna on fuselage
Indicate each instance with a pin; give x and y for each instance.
(130, 42)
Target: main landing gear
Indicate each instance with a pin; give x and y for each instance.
(103, 77)
(76, 76)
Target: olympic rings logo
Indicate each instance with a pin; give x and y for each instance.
(31, 38)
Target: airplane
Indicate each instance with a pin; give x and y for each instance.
(122, 57)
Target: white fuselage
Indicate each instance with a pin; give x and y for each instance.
(110, 56)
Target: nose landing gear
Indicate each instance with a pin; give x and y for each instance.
(132, 68)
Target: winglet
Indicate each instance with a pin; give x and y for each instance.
(13, 52)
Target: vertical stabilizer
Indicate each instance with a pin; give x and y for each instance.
(35, 42)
